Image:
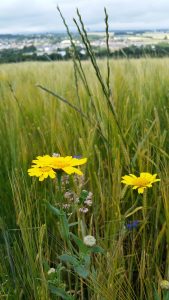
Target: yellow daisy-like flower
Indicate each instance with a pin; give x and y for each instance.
(46, 165)
(67, 164)
(42, 161)
(142, 182)
(41, 172)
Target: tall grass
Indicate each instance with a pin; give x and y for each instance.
(33, 122)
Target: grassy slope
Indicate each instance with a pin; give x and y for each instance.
(34, 122)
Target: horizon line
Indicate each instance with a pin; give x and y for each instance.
(88, 30)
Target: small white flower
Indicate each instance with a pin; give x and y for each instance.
(67, 195)
(77, 200)
(88, 202)
(90, 195)
(89, 240)
(51, 270)
(83, 210)
(66, 206)
(56, 155)
(164, 284)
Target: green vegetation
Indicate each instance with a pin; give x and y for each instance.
(33, 122)
(84, 237)
(29, 53)
(158, 50)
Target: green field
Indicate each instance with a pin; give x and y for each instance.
(131, 262)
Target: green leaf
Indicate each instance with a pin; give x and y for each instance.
(166, 294)
(83, 196)
(86, 260)
(97, 249)
(133, 212)
(73, 224)
(63, 221)
(81, 271)
(64, 227)
(83, 268)
(60, 292)
(156, 296)
(82, 247)
(53, 209)
(69, 259)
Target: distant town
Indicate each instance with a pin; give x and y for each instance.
(53, 46)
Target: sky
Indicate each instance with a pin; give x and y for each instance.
(31, 16)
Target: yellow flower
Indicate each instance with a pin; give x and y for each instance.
(141, 183)
(67, 164)
(41, 172)
(44, 165)
(42, 161)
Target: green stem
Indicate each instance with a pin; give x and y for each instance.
(59, 178)
(67, 243)
(166, 295)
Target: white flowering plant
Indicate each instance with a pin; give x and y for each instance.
(79, 250)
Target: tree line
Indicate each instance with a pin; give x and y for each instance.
(30, 53)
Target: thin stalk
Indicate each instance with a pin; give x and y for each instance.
(97, 125)
(84, 36)
(63, 100)
(79, 67)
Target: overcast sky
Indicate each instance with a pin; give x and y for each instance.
(17, 16)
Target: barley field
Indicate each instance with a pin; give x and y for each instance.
(43, 224)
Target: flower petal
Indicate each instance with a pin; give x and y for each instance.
(52, 174)
(41, 178)
(132, 175)
(141, 190)
(71, 170)
(135, 187)
(78, 162)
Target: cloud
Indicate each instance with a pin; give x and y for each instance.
(42, 15)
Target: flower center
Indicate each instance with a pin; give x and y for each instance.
(45, 169)
(140, 181)
(59, 163)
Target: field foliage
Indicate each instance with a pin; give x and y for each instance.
(34, 122)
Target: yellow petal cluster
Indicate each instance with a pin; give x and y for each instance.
(44, 166)
(41, 172)
(142, 182)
